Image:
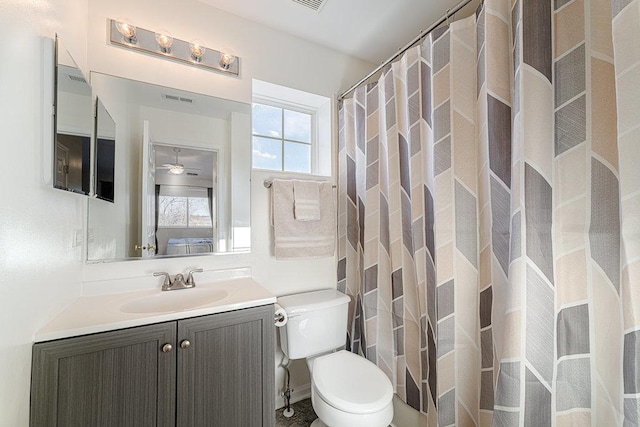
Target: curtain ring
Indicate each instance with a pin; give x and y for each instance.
(447, 16)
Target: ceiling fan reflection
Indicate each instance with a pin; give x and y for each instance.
(176, 168)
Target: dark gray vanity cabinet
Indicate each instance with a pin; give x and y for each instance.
(226, 376)
(218, 371)
(118, 378)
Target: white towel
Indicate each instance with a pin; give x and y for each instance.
(306, 200)
(302, 239)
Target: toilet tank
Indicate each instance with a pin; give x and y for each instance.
(317, 323)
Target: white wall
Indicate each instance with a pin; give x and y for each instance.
(267, 55)
(41, 271)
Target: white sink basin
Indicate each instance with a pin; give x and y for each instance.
(170, 301)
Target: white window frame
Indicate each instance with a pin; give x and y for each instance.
(320, 109)
(168, 227)
(289, 106)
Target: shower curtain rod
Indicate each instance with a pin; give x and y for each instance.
(420, 36)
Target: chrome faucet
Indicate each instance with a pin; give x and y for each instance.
(178, 281)
(190, 282)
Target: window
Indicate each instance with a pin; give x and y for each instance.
(291, 130)
(181, 211)
(282, 139)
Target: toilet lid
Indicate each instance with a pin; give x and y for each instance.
(351, 383)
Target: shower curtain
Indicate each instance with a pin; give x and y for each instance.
(489, 217)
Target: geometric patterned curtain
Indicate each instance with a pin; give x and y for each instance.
(489, 217)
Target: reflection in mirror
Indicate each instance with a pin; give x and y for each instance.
(182, 174)
(105, 152)
(72, 126)
(186, 200)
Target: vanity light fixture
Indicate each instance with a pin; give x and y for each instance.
(197, 49)
(164, 39)
(127, 31)
(162, 44)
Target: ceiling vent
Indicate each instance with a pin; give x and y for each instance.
(177, 98)
(76, 78)
(312, 4)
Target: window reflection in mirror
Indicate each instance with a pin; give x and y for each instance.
(73, 125)
(105, 153)
(159, 130)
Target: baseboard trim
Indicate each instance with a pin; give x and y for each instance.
(298, 394)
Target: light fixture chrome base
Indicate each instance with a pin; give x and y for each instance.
(145, 41)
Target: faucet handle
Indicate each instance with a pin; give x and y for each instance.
(190, 280)
(167, 279)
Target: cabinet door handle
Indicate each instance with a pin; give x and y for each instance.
(185, 344)
(167, 348)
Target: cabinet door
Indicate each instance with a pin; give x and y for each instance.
(226, 374)
(119, 378)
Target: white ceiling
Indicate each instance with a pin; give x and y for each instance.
(372, 30)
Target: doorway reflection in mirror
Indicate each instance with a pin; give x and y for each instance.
(186, 202)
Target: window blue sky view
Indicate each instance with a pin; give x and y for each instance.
(281, 139)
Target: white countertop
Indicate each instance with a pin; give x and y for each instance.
(91, 314)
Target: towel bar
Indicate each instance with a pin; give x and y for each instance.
(269, 182)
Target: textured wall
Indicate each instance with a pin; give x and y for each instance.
(41, 271)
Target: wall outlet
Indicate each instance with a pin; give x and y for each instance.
(77, 237)
(90, 235)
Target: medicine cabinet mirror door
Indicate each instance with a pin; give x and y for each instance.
(73, 125)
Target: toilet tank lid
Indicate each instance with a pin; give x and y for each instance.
(311, 301)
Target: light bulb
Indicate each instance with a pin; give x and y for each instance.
(227, 56)
(176, 170)
(164, 39)
(127, 30)
(197, 50)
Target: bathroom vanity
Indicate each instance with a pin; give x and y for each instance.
(192, 369)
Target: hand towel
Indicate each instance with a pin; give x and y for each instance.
(306, 200)
(302, 239)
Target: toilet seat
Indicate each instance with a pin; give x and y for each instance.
(351, 383)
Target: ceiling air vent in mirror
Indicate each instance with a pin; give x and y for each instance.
(312, 4)
(76, 78)
(177, 98)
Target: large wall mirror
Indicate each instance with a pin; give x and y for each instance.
(73, 125)
(179, 158)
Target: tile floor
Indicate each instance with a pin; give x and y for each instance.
(303, 415)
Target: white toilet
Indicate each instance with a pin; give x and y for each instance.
(346, 390)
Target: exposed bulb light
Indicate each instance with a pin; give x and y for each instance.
(176, 169)
(127, 30)
(227, 57)
(197, 50)
(165, 40)
(162, 44)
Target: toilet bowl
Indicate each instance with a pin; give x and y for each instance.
(347, 390)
